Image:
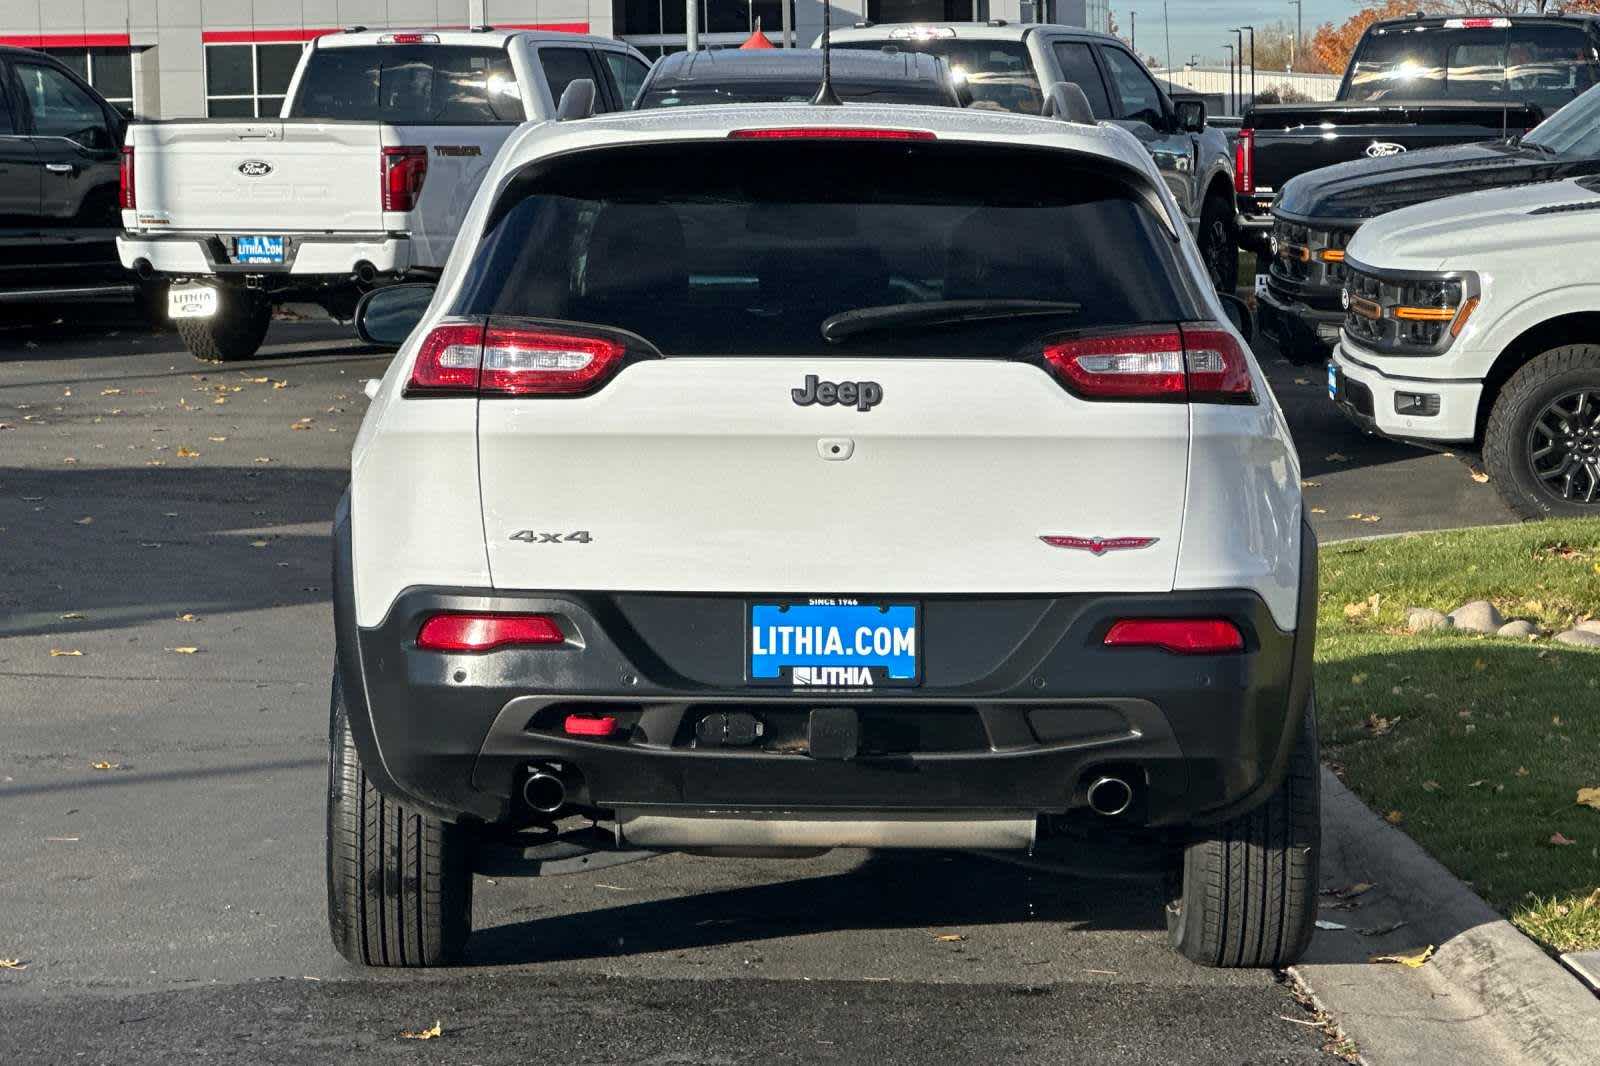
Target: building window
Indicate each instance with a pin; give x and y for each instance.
(109, 70)
(723, 23)
(249, 80)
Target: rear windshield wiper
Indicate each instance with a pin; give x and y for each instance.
(937, 313)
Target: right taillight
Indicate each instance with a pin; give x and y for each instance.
(404, 171)
(1244, 162)
(468, 358)
(486, 632)
(127, 192)
(1197, 364)
(1180, 636)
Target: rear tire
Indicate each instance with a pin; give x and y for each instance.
(399, 881)
(1219, 243)
(1546, 390)
(1249, 891)
(234, 333)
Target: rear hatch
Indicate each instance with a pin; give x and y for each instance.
(898, 375)
(259, 176)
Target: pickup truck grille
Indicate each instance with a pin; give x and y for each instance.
(1406, 316)
(1312, 260)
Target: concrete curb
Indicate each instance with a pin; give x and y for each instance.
(1488, 995)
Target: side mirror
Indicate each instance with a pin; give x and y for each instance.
(1191, 115)
(1067, 102)
(577, 100)
(1240, 315)
(387, 316)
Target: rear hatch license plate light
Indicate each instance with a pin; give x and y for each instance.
(834, 642)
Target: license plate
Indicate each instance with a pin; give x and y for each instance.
(834, 643)
(1333, 381)
(258, 249)
(191, 301)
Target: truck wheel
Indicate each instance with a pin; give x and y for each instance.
(1542, 443)
(1249, 893)
(234, 333)
(1219, 244)
(399, 882)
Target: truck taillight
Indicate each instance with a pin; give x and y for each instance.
(466, 358)
(127, 194)
(1197, 364)
(404, 171)
(1244, 163)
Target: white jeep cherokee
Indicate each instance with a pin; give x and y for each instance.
(767, 479)
(1475, 320)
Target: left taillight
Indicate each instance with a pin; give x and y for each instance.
(404, 170)
(1181, 636)
(1197, 364)
(468, 358)
(1244, 162)
(127, 192)
(485, 632)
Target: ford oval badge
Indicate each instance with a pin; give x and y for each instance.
(255, 168)
(1379, 149)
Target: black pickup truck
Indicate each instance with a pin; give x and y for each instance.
(1412, 84)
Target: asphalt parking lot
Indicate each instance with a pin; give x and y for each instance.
(163, 719)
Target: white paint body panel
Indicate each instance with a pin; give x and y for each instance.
(698, 474)
(1531, 268)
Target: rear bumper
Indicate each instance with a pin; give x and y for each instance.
(307, 255)
(1019, 705)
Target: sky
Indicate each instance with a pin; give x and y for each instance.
(1199, 27)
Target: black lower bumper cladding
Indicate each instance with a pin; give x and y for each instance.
(1019, 703)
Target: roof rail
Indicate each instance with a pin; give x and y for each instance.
(864, 24)
(997, 22)
(354, 29)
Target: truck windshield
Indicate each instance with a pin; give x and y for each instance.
(999, 73)
(1542, 64)
(749, 91)
(1573, 132)
(409, 84)
(752, 247)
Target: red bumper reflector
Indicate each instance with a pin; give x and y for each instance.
(485, 632)
(830, 133)
(582, 725)
(1182, 636)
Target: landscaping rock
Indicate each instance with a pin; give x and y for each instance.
(1591, 626)
(1479, 616)
(1419, 619)
(1581, 638)
(1519, 630)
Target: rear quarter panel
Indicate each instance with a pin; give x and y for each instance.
(459, 158)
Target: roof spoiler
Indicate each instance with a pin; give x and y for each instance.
(577, 100)
(1067, 102)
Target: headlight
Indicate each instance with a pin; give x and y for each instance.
(1407, 313)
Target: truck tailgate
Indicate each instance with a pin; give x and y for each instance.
(262, 176)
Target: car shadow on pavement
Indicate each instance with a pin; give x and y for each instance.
(889, 890)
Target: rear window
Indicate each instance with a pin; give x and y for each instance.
(748, 248)
(409, 84)
(746, 91)
(1546, 65)
(999, 73)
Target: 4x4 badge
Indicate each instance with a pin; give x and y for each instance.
(1099, 545)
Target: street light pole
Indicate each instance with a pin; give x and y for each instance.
(691, 17)
(1133, 31)
(1252, 31)
(1294, 45)
(1232, 109)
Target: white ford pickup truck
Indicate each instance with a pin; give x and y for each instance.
(362, 181)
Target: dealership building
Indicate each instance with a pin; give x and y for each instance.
(234, 58)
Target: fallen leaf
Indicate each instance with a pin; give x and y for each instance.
(1310, 484)
(1354, 610)
(1589, 797)
(187, 617)
(111, 392)
(1323, 923)
(1522, 771)
(1480, 477)
(72, 616)
(949, 938)
(56, 653)
(1319, 510)
(186, 650)
(263, 459)
(258, 544)
(1412, 961)
(1378, 725)
(185, 452)
(1360, 517)
(1381, 930)
(1350, 891)
(1335, 457)
(86, 520)
(12, 964)
(216, 440)
(1356, 679)
(1480, 665)
(1560, 841)
(259, 381)
(1430, 786)
(423, 1034)
(102, 765)
(280, 384)
(1394, 817)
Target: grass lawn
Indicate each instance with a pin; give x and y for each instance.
(1476, 746)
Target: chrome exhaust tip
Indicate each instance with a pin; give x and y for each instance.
(544, 790)
(1110, 796)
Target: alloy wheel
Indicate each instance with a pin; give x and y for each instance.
(1564, 447)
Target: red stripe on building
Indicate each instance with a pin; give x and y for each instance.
(67, 40)
(271, 36)
(555, 27)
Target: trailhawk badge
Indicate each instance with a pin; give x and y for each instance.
(1099, 545)
(1379, 149)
